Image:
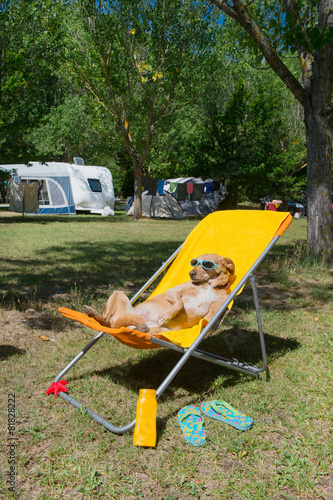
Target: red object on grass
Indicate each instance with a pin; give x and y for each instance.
(57, 387)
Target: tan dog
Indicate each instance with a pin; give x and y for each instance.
(180, 307)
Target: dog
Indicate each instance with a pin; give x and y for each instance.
(180, 307)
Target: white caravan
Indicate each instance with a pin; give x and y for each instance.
(66, 188)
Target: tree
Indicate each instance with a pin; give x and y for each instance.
(76, 127)
(141, 60)
(245, 129)
(248, 139)
(307, 30)
(30, 51)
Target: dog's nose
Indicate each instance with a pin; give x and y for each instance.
(192, 273)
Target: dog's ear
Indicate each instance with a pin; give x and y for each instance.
(223, 279)
(228, 263)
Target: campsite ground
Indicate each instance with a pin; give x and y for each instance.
(62, 453)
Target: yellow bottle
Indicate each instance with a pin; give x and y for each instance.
(145, 425)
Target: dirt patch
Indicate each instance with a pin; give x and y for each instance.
(325, 487)
(23, 330)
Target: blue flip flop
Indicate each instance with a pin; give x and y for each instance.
(190, 421)
(220, 410)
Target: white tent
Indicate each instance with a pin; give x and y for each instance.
(65, 188)
(158, 206)
(208, 203)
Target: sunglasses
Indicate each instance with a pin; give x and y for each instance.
(206, 264)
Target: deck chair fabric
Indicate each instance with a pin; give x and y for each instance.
(240, 235)
(135, 338)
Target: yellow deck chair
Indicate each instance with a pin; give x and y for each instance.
(244, 236)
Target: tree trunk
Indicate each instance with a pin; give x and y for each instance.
(231, 200)
(233, 193)
(318, 124)
(137, 189)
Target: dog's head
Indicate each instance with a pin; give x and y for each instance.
(217, 275)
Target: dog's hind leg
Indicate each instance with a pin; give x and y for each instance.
(117, 305)
(93, 314)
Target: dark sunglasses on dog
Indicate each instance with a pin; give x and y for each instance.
(206, 264)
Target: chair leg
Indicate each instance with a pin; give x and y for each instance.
(79, 406)
(261, 333)
(79, 356)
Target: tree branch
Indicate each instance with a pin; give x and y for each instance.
(239, 13)
(305, 55)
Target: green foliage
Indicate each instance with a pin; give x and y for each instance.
(287, 31)
(139, 60)
(101, 80)
(29, 85)
(177, 146)
(122, 173)
(245, 129)
(74, 128)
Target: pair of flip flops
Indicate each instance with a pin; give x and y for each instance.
(191, 420)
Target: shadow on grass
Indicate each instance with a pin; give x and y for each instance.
(7, 217)
(93, 269)
(81, 266)
(7, 351)
(47, 321)
(196, 376)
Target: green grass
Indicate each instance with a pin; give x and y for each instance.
(63, 453)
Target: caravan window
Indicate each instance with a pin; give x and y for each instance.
(43, 193)
(95, 185)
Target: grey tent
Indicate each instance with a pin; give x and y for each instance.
(206, 204)
(165, 206)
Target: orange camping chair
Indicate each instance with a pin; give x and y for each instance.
(244, 236)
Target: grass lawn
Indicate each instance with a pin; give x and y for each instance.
(53, 451)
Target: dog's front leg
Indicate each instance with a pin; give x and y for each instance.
(214, 308)
(176, 305)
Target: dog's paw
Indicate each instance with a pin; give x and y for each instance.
(143, 328)
(89, 310)
(162, 319)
